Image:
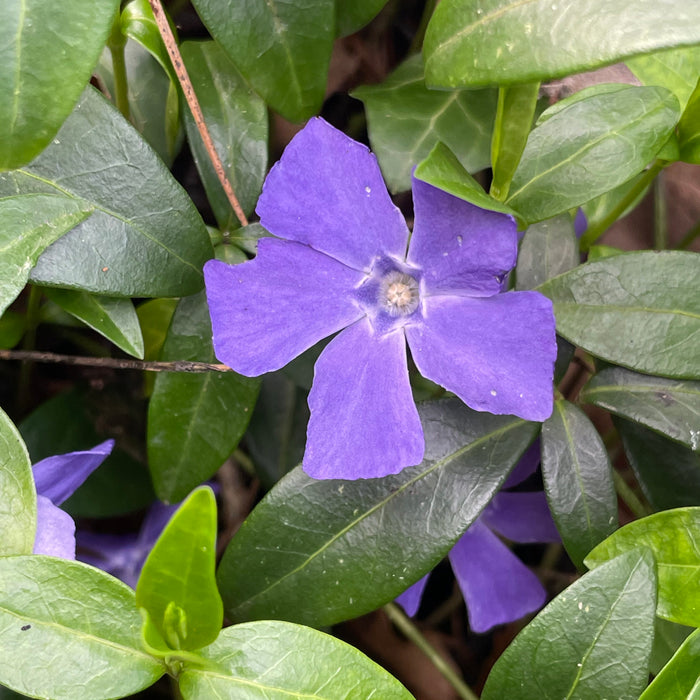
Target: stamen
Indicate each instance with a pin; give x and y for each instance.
(398, 294)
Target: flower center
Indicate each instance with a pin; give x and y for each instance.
(398, 293)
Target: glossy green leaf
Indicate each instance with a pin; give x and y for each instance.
(577, 480)
(501, 42)
(177, 585)
(590, 147)
(358, 544)
(113, 318)
(351, 15)
(405, 120)
(279, 661)
(680, 676)
(69, 631)
(37, 93)
(673, 537)
(145, 237)
(17, 492)
(547, 249)
(238, 124)
(579, 96)
(669, 406)
(194, 420)
(591, 642)
(689, 129)
(640, 310)
(30, 224)
(282, 48)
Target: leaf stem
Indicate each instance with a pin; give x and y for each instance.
(629, 497)
(660, 222)
(689, 237)
(28, 343)
(396, 615)
(116, 44)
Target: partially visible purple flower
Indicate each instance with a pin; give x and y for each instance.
(580, 223)
(497, 587)
(343, 262)
(56, 479)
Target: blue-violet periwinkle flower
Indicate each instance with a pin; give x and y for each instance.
(342, 262)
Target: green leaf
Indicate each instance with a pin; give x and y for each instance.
(37, 94)
(358, 544)
(547, 249)
(17, 492)
(69, 631)
(12, 327)
(580, 95)
(177, 585)
(145, 237)
(238, 124)
(280, 661)
(689, 129)
(590, 147)
(115, 319)
(501, 42)
(577, 480)
(625, 310)
(282, 48)
(673, 537)
(668, 637)
(669, 406)
(351, 15)
(405, 120)
(680, 676)
(30, 224)
(194, 420)
(592, 641)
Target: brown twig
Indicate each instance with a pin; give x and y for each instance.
(111, 362)
(188, 90)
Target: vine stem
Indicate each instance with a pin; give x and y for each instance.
(116, 44)
(188, 90)
(406, 626)
(629, 497)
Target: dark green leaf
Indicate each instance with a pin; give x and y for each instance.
(680, 676)
(69, 631)
(351, 15)
(668, 637)
(673, 537)
(177, 585)
(12, 328)
(406, 120)
(282, 48)
(145, 237)
(640, 310)
(689, 129)
(237, 121)
(194, 420)
(358, 544)
(577, 480)
(281, 661)
(591, 642)
(501, 42)
(590, 147)
(48, 52)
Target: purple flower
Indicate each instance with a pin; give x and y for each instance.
(342, 263)
(497, 587)
(56, 479)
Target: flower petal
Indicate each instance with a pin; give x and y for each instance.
(364, 423)
(59, 476)
(55, 530)
(521, 517)
(410, 599)
(461, 248)
(526, 465)
(327, 191)
(497, 587)
(267, 311)
(497, 354)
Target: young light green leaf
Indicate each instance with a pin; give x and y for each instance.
(69, 631)
(17, 492)
(144, 237)
(405, 120)
(282, 48)
(580, 95)
(351, 15)
(673, 536)
(592, 641)
(177, 585)
(36, 94)
(669, 406)
(577, 480)
(502, 42)
(358, 544)
(689, 129)
(680, 676)
(280, 661)
(590, 147)
(113, 318)
(625, 310)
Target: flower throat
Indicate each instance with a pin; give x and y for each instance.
(398, 293)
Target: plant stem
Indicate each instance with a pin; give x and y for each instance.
(406, 626)
(28, 343)
(689, 237)
(660, 222)
(116, 44)
(629, 497)
(417, 42)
